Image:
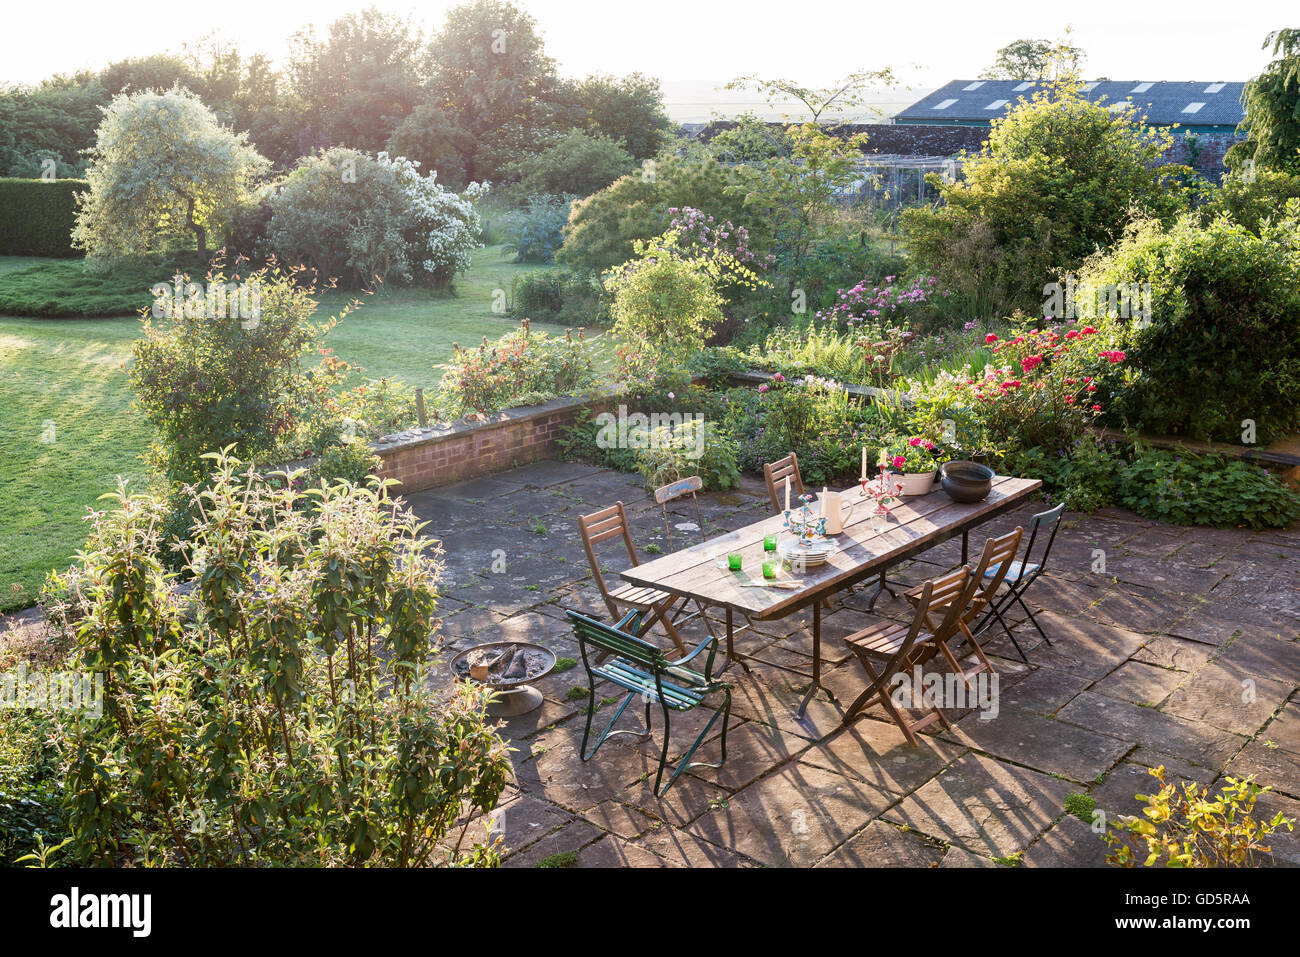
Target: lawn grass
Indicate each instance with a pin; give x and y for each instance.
(69, 373)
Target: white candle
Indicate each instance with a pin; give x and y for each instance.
(787, 493)
(864, 462)
(822, 512)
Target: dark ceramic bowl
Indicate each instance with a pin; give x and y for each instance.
(965, 481)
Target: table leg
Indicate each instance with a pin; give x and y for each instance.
(965, 545)
(817, 659)
(882, 587)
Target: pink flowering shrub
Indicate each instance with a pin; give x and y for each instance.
(887, 303)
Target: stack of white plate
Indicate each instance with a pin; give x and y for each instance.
(816, 552)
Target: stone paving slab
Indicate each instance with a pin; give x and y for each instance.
(1041, 743)
(1156, 731)
(988, 807)
(794, 817)
(1146, 667)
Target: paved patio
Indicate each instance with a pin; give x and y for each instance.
(1184, 651)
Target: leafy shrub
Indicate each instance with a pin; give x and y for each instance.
(1085, 477)
(1059, 177)
(1040, 391)
(603, 227)
(534, 231)
(206, 383)
(576, 164)
(36, 216)
(693, 447)
(520, 368)
(1248, 201)
(815, 418)
(1223, 341)
(31, 791)
(431, 138)
(348, 215)
(278, 716)
(1191, 828)
(561, 295)
(1189, 489)
(667, 300)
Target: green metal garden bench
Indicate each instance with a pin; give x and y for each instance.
(642, 670)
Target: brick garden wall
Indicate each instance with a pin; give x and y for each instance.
(451, 452)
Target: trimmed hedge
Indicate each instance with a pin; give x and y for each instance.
(36, 216)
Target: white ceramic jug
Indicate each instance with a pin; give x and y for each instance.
(832, 511)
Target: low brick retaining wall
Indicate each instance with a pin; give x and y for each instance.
(451, 452)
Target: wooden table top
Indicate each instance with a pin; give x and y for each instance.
(918, 523)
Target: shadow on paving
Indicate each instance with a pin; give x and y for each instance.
(1180, 648)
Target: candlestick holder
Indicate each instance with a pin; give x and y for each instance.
(800, 522)
(883, 492)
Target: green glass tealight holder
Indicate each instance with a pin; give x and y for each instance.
(770, 569)
(769, 543)
(733, 561)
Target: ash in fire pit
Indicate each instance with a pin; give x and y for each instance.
(504, 664)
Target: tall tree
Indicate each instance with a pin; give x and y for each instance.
(1272, 101)
(490, 73)
(162, 167)
(359, 83)
(629, 109)
(1036, 60)
(848, 94)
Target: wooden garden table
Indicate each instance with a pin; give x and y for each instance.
(917, 524)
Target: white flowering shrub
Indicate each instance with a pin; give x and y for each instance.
(357, 217)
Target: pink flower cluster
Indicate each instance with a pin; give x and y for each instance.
(880, 302)
(698, 228)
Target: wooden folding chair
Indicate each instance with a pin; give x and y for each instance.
(906, 646)
(670, 493)
(1020, 574)
(994, 562)
(675, 490)
(775, 474)
(609, 523)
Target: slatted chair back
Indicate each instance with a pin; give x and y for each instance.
(950, 596)
(1049, 519)
(775, 474)
(998, 553)
(679, 489)
(609, 639)
(600, 526)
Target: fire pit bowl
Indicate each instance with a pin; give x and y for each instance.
(506, 667)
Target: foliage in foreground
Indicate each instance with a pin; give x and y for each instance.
(1191, 828)
(277, 715)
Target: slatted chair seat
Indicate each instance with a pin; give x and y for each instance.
(639, 596)
(642, 670)
(628, 676)
(881, 639)
(905, 646)
(1015, 570)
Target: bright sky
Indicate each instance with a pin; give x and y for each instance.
(695, 45)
